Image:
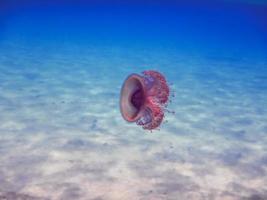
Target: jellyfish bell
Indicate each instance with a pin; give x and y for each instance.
(143, 98)
(132, 98)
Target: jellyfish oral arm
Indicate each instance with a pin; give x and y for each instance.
(145, 118)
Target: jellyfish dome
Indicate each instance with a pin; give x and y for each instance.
(143, 99)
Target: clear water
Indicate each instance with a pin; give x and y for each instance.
(61, 69)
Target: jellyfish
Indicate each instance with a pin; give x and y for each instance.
(144, 98)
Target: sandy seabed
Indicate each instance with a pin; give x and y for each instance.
(62, 136)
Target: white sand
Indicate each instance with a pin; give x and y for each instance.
(62, 136)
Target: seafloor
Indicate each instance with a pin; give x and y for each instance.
(62, 135)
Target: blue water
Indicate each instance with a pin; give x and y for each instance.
(62, 65)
